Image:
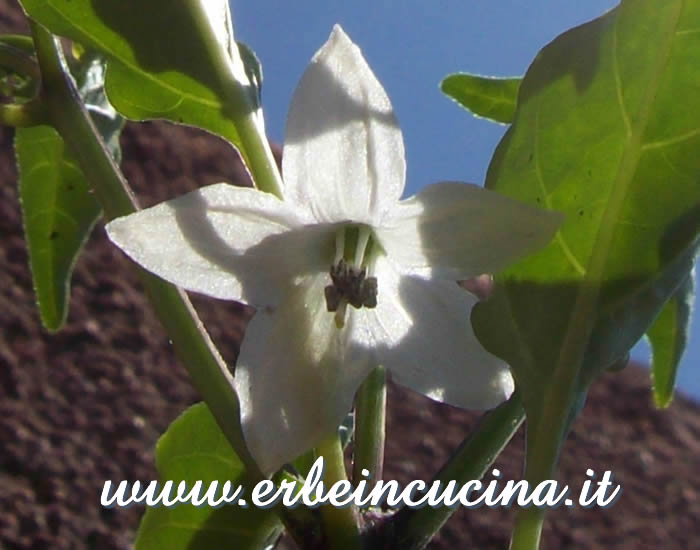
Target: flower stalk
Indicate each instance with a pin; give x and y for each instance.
(370, 424)
(412, 528)
(340, 525)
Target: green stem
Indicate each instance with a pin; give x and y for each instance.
(412, 528)
(528, 528)
(248, 121)
(545, 435)
(68, 115)
(340, 525)
(370, 422)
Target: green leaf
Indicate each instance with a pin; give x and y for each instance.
(193, 449)
(58, 213)
(159, 65)
(599, 134)
(668, 337)
(57, 207)
(486, 96)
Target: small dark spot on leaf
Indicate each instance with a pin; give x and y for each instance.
(538, 200)
(70, 187)
(530, 157)
(580, 212)
(53, 235)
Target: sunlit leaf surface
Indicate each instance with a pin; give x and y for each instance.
(192, 449)
(600, 133)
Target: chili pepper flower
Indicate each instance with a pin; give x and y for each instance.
(344, 274)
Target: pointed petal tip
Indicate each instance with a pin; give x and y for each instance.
(343, 151)
(338, 31)
(338, 35)
(337, 41)
(116, 230)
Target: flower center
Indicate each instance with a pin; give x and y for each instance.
(350, 283)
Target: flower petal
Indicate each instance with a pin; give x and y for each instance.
(343, 152)
(457, 230)
(296, 375)
(224, 241)
(423, 335)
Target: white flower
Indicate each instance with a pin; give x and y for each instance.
(394, 264)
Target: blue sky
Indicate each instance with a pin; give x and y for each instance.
(411, 45)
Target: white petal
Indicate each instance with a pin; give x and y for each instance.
(343, 151)
(225, 241)
(296, 376)
(423, 335)
(457, 231)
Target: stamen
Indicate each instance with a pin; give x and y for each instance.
(362, 240)
(339, 245)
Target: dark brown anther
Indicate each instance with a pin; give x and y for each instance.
(351, 284)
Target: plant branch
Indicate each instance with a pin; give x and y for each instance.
(340, 525)
(412, 528)
(192, 343)
(247, 119)
(370, 424)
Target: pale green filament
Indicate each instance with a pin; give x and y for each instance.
(364, 233)
(339, 245)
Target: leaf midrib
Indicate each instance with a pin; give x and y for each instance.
(582, 318)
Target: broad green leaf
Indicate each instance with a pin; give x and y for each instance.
(159, 65)
(192, 449)
(58, 213)
(668, 337)
(485, 96)
(607, 130)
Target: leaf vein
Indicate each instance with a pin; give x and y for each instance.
(618, 84)
(671, 141)
(559, 238)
